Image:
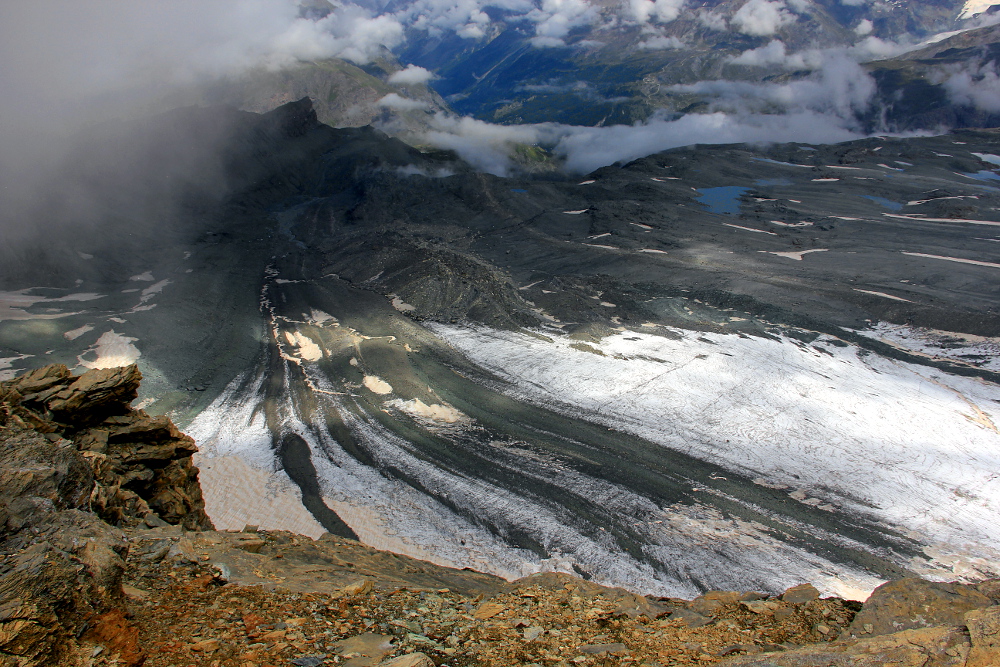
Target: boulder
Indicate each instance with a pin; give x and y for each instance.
(921, 647)
(800, 594)
(915, 603)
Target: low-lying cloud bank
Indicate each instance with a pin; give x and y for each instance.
(822, 108)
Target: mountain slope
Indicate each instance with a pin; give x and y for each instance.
(707, 369)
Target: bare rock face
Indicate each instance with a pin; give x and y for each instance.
(75, 458)
(916, 603)
(60, 563)
(922, 647)
(140, 464)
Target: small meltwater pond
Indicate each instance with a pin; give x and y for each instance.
(887, 203)
(723, 200)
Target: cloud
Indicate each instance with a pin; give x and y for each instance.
(485, 146)
(660, 42)
(586, 149)
(661, 11)
(411, 76)
(713, 20)
(822, 108)
(773, 53)
(864, 27)
(465, 18)
(762, 17)
(398, 103)
(555, 18)
(840, 87)
(976, 85)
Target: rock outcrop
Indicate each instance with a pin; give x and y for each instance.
(140, 464)
(76, 462)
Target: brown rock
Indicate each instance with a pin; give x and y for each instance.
(358, 588)
(690, 618)
(916, 603)
(604, 649)
(922, 647)
(991, 589)
(206, 645)
(117, 635)
(712, 601)
(487, 610)
(411, 660)
(800, 594)
(984, 629)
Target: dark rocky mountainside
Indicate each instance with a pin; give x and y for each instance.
(77, 590)
(912, 87)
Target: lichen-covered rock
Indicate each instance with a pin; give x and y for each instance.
(916, 603)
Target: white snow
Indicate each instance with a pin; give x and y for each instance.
(112, 350)
(905, 445)
(79, 331)
(749, 229)
(973, 7)
(954, 259)
(917, 217)
(6, 372)
(882, 294)
(980, 351)
(435, 412)
(377, 385)
(582, 210)
(794, 255)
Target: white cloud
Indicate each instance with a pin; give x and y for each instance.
(762, 17)
(661, 42)
(399, 103)
(771, 54)
(555, 18)
(864, 27)
(873, 48)
(465, 18)
(485, 146)
(820, 109)
(586, 149)
(977, 85)
(713, 20)
(774, 53)
(661, 11)
(411, 76)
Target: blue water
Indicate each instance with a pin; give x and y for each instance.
(765, 182)
(722, 201)
(517, 190)
(984, 175)
(888, 203)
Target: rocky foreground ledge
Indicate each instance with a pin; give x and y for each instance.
(108, 558)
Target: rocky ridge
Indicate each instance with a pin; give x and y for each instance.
(109, 559)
